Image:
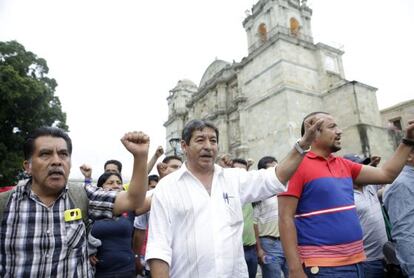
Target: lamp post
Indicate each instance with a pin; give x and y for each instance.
(174, 144)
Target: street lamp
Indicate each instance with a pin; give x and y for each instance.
(174, 144)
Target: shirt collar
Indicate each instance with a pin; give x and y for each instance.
(408, 168)
(24, 189)
(218, 170)
(313, 155)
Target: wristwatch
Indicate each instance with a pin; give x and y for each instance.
(408, 142)
(299, 148)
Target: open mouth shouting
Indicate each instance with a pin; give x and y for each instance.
(56, 173)
(206, 156)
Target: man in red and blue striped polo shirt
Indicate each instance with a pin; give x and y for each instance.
(319, 226)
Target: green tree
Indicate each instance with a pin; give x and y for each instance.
(27, 101)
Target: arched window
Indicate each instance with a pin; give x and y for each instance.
(262, 31)
(294, 26)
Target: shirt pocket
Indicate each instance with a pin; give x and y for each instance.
(75, 234)
(234, 214)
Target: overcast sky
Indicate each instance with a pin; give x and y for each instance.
(116, 60)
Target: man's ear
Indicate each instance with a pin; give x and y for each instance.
(411, 157)
(183, 146)
(27, 164)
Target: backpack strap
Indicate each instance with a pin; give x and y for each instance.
(77, 195)
(388, 225)
(4, 200)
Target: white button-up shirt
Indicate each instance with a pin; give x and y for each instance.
(200, 235)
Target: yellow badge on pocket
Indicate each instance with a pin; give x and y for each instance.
(72, 214)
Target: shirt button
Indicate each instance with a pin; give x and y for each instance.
(48, 232)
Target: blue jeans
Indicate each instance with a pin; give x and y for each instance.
(250, 255)
(373, 269)
(273, 247)
(347, 271)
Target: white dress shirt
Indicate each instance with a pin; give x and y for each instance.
(200, 235)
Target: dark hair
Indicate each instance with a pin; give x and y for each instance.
(105, 176)
(115, 162)
(56, 132)
(302, 128)
(171, 157)
(193, 125)
(239, 160)
(153, 178)
(262, 164)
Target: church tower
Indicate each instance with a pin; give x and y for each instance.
(286, 76)
(269, 18)
(177, 110)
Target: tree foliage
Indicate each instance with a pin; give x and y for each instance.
(27, 101)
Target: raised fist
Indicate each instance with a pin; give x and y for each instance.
(313, 127)
(162, 169)
(86, 170)
(137, 143)
(159, 151)
(409, 133)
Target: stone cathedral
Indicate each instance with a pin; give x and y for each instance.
(258, 103)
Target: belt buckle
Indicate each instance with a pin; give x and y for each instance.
(314, 269)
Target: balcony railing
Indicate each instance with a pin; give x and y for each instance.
(275, 32)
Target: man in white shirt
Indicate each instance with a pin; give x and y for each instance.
(196, 220)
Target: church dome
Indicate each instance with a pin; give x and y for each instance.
(186, 85)
(212, 70)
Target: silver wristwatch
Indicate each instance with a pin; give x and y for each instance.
(299, 148)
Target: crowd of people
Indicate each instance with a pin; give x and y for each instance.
(310, 214)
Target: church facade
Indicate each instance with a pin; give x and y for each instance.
(258, 103)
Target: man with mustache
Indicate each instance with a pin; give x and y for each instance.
(319, 226)
(42, 233)
(196, 220)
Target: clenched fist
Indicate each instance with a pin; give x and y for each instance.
(86, 170)
(162, 169)
(137, 143)
(159, 151)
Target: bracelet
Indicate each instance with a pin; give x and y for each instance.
(408, 142)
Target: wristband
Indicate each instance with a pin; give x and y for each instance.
(88, 180)
(408, 142)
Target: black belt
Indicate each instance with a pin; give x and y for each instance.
(248, 247)
(271, 237)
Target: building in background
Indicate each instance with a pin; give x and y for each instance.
(258, 103)
(396, 117)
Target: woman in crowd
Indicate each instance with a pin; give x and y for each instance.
(115, 257)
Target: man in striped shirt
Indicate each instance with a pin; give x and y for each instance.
(37, 236)
(318, 224)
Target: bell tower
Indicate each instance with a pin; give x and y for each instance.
(177, 110)
(269, 18)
